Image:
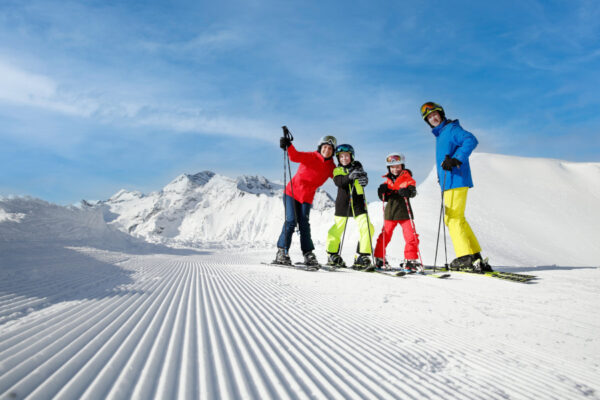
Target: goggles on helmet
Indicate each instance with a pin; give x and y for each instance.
(344, 148)
(394, 159)
(330, 140)
(430, 107)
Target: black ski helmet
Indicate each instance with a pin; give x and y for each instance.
(430, 107)
(344, 148)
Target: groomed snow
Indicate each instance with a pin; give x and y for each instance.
(88, 311)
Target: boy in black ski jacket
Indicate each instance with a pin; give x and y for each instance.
(350, 178)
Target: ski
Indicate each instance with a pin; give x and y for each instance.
(362, 268)
(402, 272)
(390, 272)
(324, 267)
(507, 276)
(301, 267)
(438, 275)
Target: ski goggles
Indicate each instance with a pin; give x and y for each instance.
(330, 140)
(428, 108)
(393, 158)
(344, 148)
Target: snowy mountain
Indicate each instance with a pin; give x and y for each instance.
(205, 209)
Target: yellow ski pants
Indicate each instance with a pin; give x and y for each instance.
(463, 238)
(364, 227)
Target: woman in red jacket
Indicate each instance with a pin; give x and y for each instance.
(315, 168)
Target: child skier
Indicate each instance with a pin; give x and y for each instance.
(396, 190)
(315, 168)
(350, 178)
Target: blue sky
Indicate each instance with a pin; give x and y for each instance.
(96, 96)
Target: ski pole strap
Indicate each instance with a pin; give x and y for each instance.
(287, 133)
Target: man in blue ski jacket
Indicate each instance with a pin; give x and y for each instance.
(453, 146)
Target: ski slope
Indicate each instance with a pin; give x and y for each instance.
(203, 325)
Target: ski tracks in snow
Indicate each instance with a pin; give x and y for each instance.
(204, 327)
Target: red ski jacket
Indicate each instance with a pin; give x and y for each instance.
(403, 180)
(312, 173)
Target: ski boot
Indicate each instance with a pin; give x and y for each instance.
(362, 262)
(411, 266)
(335, 260)
(463, 263)
(382, 263)
(310, 260)
(481, 264)
(282, 257)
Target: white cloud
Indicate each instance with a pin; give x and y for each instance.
(23, 88)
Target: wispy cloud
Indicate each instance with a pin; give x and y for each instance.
(23, 88)
(144, 89)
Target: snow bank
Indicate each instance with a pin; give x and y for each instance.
(524, 211)
(26, 221)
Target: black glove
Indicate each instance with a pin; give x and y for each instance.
(285, 142)
(450, 163)
(384, 192)
(355, 174)
(410, 192)
(363, 180)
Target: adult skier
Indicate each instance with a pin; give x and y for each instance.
(453, 146)
(315, 168)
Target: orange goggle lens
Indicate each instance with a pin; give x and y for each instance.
(428, 108)
(393, 158)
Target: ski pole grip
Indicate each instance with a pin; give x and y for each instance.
(287, 133)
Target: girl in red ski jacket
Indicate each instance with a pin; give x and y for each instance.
(397, 189)
(315, 168)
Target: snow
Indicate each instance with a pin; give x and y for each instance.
(93, 305)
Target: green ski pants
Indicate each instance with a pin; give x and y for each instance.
(365, 228)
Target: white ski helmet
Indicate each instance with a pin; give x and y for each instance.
(328, 139)
(394, 159)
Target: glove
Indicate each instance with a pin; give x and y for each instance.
(285, 142)
(450, 163)
(410, 192)
(363, 180)
(355, 174)
(383, 192)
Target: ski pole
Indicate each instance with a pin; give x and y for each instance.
(444, 208)
(414, 228)
(346, 222)
(383, 231)
(437, 242)
(288, 135)
(369, 226)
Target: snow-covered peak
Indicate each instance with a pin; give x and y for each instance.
(187, 182)
(256, 184)
(123, 195)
